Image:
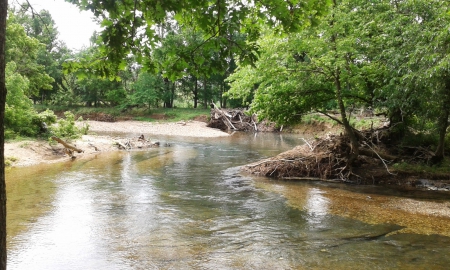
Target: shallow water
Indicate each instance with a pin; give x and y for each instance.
(187, 206)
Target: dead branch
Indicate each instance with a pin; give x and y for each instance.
(310, 147)
(382, 160)
(66, 145)
(122, 145)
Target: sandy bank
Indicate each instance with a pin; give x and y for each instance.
(27, 153)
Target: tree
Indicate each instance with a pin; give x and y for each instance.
(24, 50)
(52, 52)
(148, 90)
(3, 14)
(428, 62)
(19, 111)
(310, 71)
(414, 42)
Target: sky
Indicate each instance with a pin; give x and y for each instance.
(75, 28)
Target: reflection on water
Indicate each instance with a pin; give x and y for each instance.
(316, 206)
(188, 207)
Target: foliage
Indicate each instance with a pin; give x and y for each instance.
(148, 90)
(311, 70)
(125, 33)
(424, 169)
(67, 128)
(23, 50)
(9, 161)
(19, 109)
(52, 52)
(116, 96)
(66, 94)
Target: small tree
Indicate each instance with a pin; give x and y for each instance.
(148, 90)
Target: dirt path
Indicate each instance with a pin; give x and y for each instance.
(27, 153)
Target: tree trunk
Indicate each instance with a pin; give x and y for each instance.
(167, 93)
(354, 151)
(443, 123)
(3, 13)
(221, 95)
(172, 95)
(195, 93)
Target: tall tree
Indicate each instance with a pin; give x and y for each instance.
(24, 50)
(428, 62)
(3, 14)
(413, 38)
(310, 71)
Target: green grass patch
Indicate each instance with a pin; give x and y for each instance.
(10, 160)
(317, 118)
(364, 124)
(442, 168)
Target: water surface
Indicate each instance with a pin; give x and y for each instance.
(187, 206)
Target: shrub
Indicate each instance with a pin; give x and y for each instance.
(66, 127)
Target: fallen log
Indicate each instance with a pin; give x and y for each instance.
(373, 154)
(66, 145)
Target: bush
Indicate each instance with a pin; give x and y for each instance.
(66, 127)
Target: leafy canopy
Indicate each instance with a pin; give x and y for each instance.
(130, 27)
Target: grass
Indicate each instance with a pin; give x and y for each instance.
(442, 168)
(357, 122)
(18, 138)
(318, 118)
(10, 160)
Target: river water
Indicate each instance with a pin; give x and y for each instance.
(187, 206)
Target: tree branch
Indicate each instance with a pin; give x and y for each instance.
(331, 117)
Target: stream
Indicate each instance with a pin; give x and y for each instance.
(188, 206)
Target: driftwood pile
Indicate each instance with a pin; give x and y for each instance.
(237, 120)
(325, 159)
(315, 160)
(127, 144)
(139, 143)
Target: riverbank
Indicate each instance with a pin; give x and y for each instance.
(32, 152)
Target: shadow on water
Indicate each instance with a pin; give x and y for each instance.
(188, 207)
